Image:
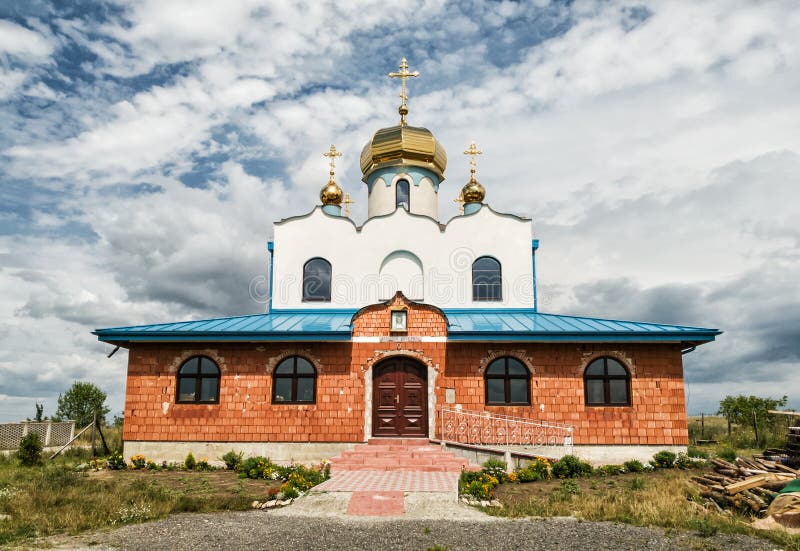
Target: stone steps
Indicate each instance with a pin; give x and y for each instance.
(399, 455)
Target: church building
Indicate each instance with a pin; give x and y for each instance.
(404, 326)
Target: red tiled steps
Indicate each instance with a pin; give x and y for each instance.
(403, 455)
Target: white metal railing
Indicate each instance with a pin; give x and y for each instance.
(484, 429)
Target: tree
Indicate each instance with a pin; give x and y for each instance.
(750, 410)
(39, 412)
(81, 402)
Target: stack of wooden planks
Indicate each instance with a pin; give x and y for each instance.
(747, 485)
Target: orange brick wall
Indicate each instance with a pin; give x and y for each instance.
(245, 412)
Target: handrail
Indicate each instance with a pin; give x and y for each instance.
(490, 430)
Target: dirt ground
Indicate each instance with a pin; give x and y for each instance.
(223, 484)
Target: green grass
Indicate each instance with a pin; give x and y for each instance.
(664, 498)
(715, 427)
(55, 499)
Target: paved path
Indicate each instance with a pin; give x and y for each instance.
(390, 481)
(265, 530)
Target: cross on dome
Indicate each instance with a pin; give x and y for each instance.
(473, 151)
(403, 74)
(331, 194)
(332, 153)
(347, 202)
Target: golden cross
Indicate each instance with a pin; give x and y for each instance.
(347, 202)
(473, 151)
(403, 74)
(332, 154)
(460, 201)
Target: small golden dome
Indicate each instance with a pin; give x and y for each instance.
(331, 194)
(473, 192)
(403, 145)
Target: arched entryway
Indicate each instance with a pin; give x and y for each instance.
(399, 398)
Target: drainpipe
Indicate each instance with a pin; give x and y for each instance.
(271, 249)
(534, 246)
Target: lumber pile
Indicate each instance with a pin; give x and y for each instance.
(747, 485)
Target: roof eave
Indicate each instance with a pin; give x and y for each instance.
(693, 339)
(117, 338)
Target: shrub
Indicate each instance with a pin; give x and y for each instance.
(570, 466)
(232, 459)
(684, 461)
(203, 465)
(260, 467)
(115, 462)
(289, 492)
(538, 469)
(694, 451)
(663, 460)
(496, 468)
(30, 450)
(190, 462)
(569, 488)
(138, 461)
(633, 466)
(611, 470)
(152, 466)
(477, 484)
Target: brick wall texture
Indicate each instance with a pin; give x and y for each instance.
(245, 412)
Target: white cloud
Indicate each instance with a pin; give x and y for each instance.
(10, 81)
(18, 41)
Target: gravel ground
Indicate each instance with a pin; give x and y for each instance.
(261, 530)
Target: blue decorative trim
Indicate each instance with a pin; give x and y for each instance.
(580, 337)
(210, 337)
(415, 173)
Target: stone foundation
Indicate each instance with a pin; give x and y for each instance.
(279, 452)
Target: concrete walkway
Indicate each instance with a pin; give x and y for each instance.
(391, 477)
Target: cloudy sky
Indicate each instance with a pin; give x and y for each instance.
(146, 147)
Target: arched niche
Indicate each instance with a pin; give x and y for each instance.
(401, 271)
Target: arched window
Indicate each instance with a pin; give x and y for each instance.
(403, 194)
(294, 381)
(198, 381)
(508, 382)
(317, 280)
(607, 383)
(487, 281)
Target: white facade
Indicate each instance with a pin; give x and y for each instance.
(428, 261)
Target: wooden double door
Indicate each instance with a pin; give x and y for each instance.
(399, 398)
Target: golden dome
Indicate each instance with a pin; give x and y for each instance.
(403, 145)
(473, 192)
(331, 194)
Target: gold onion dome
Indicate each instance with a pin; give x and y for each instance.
(404, 145)
(331, 194)
(473, 192)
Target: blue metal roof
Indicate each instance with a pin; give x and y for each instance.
(526, 325)
(464, 325)
(275, 326)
